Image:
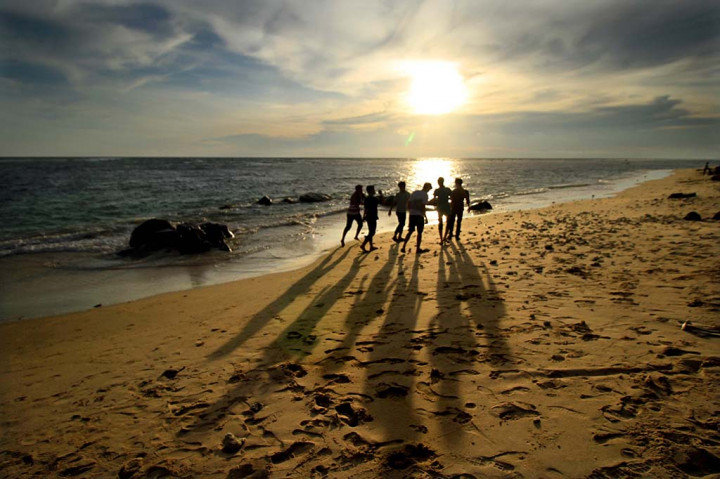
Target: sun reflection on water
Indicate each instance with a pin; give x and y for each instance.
(429, 169)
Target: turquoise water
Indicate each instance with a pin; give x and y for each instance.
(63, 220)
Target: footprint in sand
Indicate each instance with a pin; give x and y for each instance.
(512, 411)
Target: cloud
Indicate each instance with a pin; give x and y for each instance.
(149, 18)
(369, 119)
(660, 113)
(33, 73)
(315, 74)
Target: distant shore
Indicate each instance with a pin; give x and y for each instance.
(577, 340)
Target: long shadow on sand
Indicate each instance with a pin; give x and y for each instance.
(390, 371)
(466, 333)
(260, 319)
(298, 338)
(455, 347)
(370, 298)
(279, 363)
(485, 306)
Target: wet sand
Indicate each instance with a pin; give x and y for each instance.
(544, 343)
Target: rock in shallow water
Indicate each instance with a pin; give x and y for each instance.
(314, 198)
(186, 238)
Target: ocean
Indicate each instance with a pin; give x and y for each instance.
(63, 220)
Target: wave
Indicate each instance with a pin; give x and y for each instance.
(570, 185)
(531, 191)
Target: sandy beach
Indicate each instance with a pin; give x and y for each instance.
(578, 340)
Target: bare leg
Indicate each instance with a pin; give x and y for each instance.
(342, 241)
(407, 238)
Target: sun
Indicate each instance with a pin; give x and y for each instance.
(436, 87)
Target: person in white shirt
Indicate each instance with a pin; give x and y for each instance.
(418, 216)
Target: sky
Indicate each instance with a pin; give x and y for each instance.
(335, 78)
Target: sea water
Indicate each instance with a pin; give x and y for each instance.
(63, 220)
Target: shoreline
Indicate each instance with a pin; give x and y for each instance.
(55, 276)
(546, 343)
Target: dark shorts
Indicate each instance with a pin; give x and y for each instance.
(351, 218)
(372, 227)
(416, 222)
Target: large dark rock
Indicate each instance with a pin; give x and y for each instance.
(216, 234)
(314, 198)
(676, 196)
(480, 206)
(157, 234)
(693, 216)
(717, 216)
(265, 201)
(151, 231)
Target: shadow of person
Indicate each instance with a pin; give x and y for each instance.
(454, 352)
(368, 305)
(279, 365)
(390, 370)
(485, 306)
(261, 318)
(298, 339)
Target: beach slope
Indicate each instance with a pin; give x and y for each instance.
(544, 343)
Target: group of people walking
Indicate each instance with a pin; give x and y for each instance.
(449, 204)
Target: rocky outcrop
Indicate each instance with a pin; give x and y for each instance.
(265, 201)
(480, 206)
(676, 196)
(314, 198)
(186, 238)
(152, 232)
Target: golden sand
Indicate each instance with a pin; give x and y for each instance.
(545, 343)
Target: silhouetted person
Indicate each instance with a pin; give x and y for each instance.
(458, 196)
(353, 213)
(371, 217)
(400, 205)
(418, 216)
(442, 193)
(706, 170)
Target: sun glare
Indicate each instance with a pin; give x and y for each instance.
(435, 87)
(429, 169)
